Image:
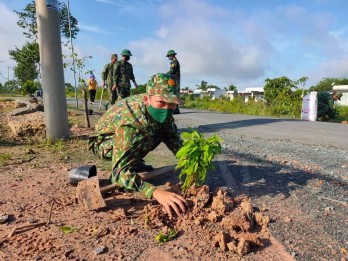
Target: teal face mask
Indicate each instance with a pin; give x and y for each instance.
(159, 115)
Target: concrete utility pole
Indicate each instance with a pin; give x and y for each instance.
(56, 116)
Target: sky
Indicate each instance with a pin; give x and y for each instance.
(220, 42)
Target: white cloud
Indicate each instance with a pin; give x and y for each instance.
(205, 50)
(11, 36)
(94, 29)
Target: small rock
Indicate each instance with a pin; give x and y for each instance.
(329, 209)
(29, 151)
(32, 220)
(68, 253)
(37, 258)
(3, 218)
(100, 250)
(293, 254)
(287, 219)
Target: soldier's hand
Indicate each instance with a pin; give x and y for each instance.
(114, 87)
(136, 85)
(170, 201)
(103, 84)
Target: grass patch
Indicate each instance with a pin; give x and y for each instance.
(4, 157)
(342, 113)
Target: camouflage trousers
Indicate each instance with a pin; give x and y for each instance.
(124, 92)
(112, 95)
(102, 147)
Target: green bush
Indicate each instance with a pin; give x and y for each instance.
(286, 106)
(29, 87)
(342, 113)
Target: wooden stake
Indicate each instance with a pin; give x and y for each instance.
(84, 94)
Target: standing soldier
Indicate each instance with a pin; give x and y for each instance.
(175, 71)
(109, 79)
(124, 74)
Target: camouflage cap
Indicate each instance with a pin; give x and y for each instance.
(164, 86)
(339, 95)
(114, 55)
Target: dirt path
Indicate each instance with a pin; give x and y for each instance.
(292, 189)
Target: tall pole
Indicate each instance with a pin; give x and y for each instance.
(56, 116)
(72, 54)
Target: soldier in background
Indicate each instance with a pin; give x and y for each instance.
(175, 71)
(124, 74)
(108, 80)
(326, 105)
(132, 128)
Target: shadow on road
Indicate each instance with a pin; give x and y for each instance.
(239, 124)
(264, 178)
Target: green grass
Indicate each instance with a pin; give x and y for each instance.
(290, 108)
(342, 113)
(4, 157)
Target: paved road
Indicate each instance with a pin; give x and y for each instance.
(316, 133)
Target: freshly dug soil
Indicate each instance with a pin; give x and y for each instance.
(229, 223)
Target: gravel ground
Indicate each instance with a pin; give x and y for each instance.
(302, 187)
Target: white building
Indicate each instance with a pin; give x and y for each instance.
(344, 90)
(216, 93)
(252, 92)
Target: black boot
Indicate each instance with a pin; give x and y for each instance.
(141, 166)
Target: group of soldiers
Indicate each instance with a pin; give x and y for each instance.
(117, 76)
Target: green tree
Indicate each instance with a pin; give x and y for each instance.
(11, 86)
(29, 87)
(326, 84)
(277, 86)
(27, 59)
(27, 21)
(232, 87)
(203, 85)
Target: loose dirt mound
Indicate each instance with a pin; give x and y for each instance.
(229, 223)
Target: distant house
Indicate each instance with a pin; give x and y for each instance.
(344, 90)
(252, 92)
(200, 93)
(215, 93)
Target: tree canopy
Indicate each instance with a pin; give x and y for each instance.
(27, 21)
(28, 57)
(326, 84)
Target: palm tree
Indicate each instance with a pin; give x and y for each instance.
(203, 85)
(232, 87)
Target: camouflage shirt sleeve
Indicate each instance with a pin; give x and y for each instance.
(117, 73)
(113, 75)
(131, 73)
(173, 68)
(124, 157)
(104, 74)
(170, 136)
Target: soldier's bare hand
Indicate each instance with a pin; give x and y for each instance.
(170, 201)
(114, 87)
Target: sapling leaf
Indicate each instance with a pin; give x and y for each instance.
(67, 230)
(195, 157)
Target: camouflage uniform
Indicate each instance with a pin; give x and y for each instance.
(123, 76)
(126, 133)
(326, 108)
(108, 76)
(175, 70)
